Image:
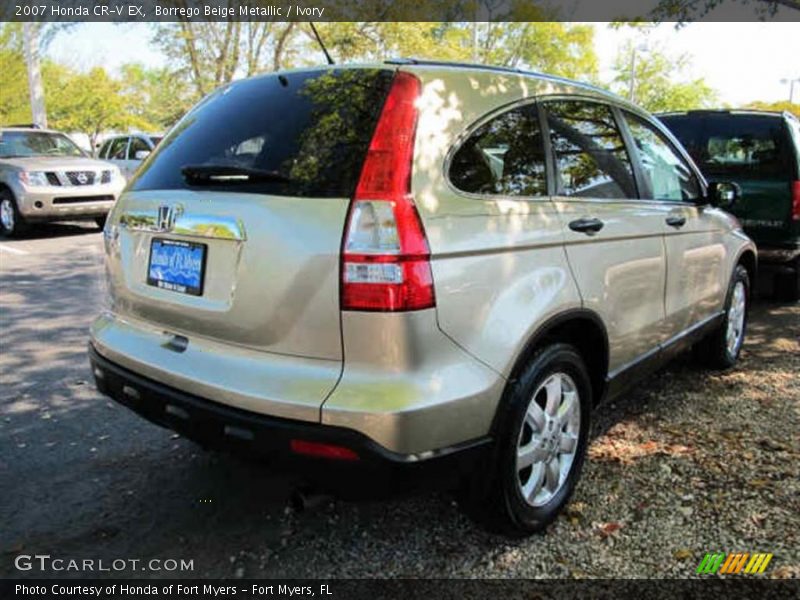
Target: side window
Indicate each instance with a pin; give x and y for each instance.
(136, 145)
(590, 155)
(504, 157)
(118, 148)
(103, 152)
(668, 176)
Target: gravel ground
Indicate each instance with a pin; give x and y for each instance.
(687, 463)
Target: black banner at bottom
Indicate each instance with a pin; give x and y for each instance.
(406, 589)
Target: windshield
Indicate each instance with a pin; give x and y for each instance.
(308, 130)
(36, 143)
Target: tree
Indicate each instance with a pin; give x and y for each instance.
(684, 11)
(156, 96)
(791, 107)
(90, 103)
(36, 36)
(655, 81)
(555, 48)
(14, 104)
(210, 54)
(31, 33)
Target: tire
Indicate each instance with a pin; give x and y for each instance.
(503, 496)
(717, 350)
(101, 222)
(12, 223)
(787, 285)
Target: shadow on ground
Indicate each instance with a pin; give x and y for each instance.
(88, 479)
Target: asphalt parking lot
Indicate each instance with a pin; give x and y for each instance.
(689, 462)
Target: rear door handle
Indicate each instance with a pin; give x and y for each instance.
(676, 222)
(587, 226)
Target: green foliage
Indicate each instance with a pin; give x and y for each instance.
(90, 103)
(155, 96)
(657, 83)
(14, 103)
(791, 107)
(683, 11)
(556, 48)
(207, 55)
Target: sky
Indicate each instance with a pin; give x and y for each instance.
(742, 61)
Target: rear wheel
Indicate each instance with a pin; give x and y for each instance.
(540, 445)
(787, 285)
(11, 221)
(720, 350)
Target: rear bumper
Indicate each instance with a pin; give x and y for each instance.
(405, 385)
(220, 426)
(769, 254)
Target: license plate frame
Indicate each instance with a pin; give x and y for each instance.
(189, 281)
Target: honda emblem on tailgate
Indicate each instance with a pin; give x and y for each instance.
(166, 218)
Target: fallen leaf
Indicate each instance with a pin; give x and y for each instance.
(606, 529)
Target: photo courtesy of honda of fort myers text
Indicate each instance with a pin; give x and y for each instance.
(377, 300)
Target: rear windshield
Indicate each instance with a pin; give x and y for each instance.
(743, 146)
(310, 129)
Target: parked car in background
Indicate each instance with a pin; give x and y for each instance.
(417, 265)
(761, 152)
(128, 151)
(44, 176)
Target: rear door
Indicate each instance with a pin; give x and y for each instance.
(247, 252)
(696, 254)
(614, 241)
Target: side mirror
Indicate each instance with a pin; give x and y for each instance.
(724, 194)
(141, 154)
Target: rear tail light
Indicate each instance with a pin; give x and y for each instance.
(385, 255)
(321, 450)
(796, 200)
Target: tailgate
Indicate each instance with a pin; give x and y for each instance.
(268, 268)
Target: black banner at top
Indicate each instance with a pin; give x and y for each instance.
(131, 11)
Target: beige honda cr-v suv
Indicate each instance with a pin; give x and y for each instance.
(414, 263)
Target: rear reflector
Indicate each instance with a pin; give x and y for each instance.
(385, 254)
(320, 450)
(796, 200)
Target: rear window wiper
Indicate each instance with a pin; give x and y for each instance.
(229, 174)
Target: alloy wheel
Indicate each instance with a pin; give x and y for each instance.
(736, 315)
(548, 440)
(7, 215)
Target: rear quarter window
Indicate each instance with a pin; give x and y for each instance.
(503, 157)
(311, 127)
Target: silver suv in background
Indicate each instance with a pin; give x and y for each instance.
(45, 176)
(128, 151)
(415, 265)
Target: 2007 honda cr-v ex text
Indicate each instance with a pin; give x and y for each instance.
(404, 263)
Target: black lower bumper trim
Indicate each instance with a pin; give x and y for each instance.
(220, 426)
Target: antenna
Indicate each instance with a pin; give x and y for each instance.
(321, 44)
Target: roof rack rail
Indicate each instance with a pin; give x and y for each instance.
(512, 70)
(24, 126)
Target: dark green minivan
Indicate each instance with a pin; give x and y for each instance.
(761, 152)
